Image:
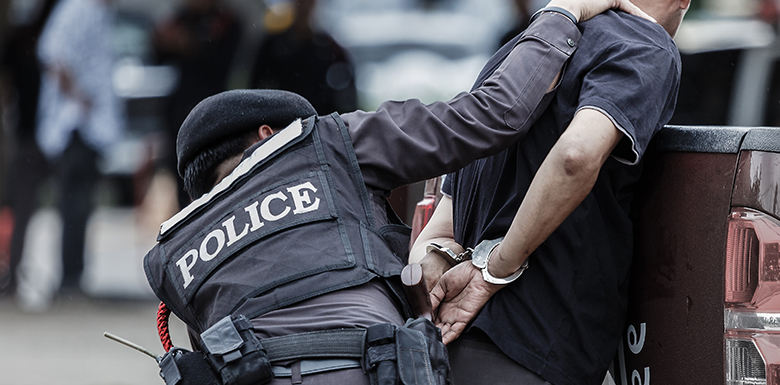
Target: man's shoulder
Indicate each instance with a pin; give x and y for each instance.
(619, 28)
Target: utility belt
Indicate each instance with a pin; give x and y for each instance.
(233, 355)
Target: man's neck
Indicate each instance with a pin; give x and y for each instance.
(666, 13)
(226, 167)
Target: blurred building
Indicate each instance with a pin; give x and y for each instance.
(730, 8)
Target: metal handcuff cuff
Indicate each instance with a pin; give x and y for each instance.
(480, 256)
(452, 258)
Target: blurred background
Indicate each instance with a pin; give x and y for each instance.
(342, 55)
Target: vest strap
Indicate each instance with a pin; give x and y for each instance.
(341, 343)
(316, 366)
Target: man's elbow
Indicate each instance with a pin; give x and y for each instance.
(580, 163)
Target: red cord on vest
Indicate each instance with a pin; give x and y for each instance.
(163, 313)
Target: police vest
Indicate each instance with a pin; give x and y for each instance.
(291, 222)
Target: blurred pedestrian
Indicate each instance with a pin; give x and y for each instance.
(200, 40)
(80, 118)
(21, 77)
(295, 57)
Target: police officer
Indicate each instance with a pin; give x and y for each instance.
(291, 227)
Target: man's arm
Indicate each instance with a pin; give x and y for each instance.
(564, 179)
(438, 230)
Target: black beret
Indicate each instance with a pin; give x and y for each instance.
(234, 112)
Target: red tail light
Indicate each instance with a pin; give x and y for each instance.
(422, 214)
(424, 209)
(752, 314)
(753, 260)
(6, 230)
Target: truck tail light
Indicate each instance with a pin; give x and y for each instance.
(422, 214)
(752, 299)
(753, 260)
(425, 207)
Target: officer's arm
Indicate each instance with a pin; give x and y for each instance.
(404, 142)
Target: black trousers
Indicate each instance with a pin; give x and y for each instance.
(476, 360)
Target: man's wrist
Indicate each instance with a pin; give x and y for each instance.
(433, 267)
(481, 260)
(502, 277)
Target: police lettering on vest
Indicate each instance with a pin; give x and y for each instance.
(269, 209)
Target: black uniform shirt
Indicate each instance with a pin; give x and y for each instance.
(563, 317)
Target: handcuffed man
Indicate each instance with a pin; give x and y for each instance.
(547, 304)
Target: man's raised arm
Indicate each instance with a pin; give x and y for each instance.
(408, 141)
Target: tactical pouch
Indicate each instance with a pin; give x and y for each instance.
(183, 367)
(235, 353)
(409, 355)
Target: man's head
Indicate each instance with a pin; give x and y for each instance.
(218, 130)
(668, 13)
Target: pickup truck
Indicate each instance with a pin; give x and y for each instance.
(704, 301)
(704, 297)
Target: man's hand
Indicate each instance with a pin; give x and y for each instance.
(458, 297)
(586, 9)
(433, 266)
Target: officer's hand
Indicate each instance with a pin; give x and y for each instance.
(458, 297)
(586, 9)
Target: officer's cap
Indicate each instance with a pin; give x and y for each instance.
(234, 112)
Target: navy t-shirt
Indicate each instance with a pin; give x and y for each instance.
(562, 319)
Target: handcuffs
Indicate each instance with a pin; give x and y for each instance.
(452, 258)
(479, 256)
